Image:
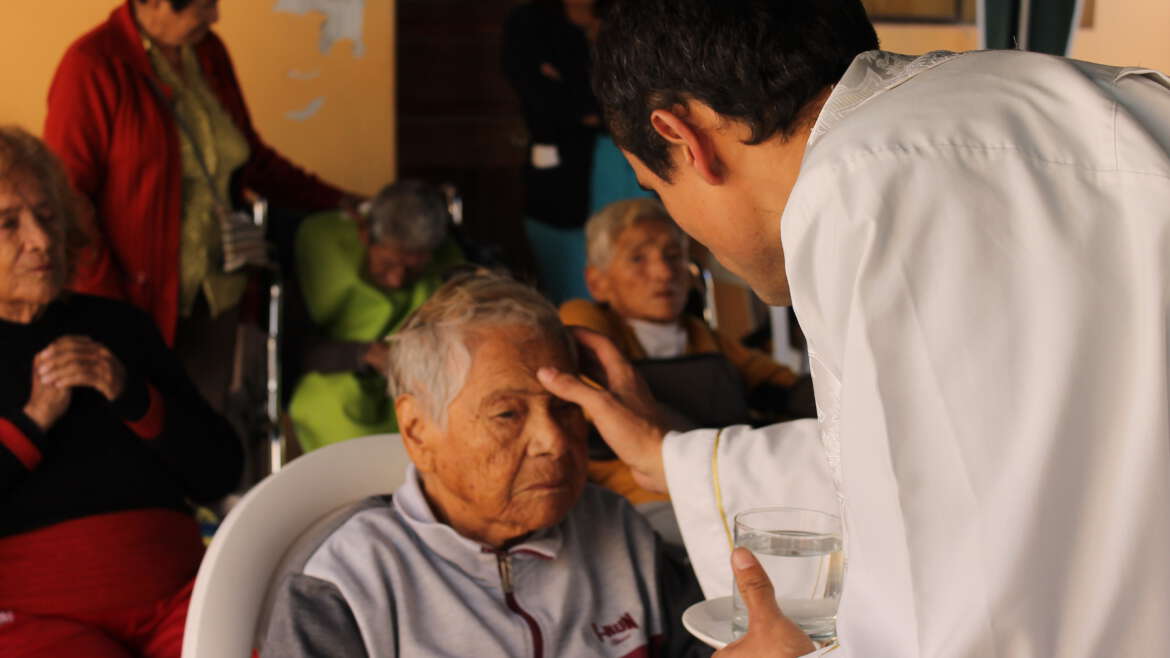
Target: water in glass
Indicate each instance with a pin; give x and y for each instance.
(807, 569)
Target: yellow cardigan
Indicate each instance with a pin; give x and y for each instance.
(754, 366)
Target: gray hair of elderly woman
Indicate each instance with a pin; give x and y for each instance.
(412, 213)
(430, 356)
(25, 158)
(603, 229)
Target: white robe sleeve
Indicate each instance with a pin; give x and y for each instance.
(714, 474)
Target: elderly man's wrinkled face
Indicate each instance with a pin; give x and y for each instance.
(512, 457)
(32, 253)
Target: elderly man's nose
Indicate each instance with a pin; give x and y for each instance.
(549, 437)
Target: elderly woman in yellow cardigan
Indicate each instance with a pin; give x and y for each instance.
(638, 274)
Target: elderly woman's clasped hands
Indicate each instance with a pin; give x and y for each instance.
(68, 362)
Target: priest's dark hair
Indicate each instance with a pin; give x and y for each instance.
(759, 62)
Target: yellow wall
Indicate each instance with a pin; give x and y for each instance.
(350, 142)
(913, 39)
(1124, 33)
(1127, 33)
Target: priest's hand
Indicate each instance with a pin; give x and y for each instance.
(623, 410)
(769, 633)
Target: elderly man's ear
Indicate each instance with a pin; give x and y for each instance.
(597, 283)
(417, 430)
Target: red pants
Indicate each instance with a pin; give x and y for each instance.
(151, 631)
(107, 586)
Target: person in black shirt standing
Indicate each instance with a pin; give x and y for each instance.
(546, 58)
(103, 441)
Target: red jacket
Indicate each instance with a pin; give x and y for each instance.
(120, 146)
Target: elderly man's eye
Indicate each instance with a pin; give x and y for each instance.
(509, 414)
(564, 407)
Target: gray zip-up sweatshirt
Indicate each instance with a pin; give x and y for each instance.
(390, 580)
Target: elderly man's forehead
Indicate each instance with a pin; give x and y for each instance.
(524, 336)
(509, 368)
(524, 346)
(506, 393)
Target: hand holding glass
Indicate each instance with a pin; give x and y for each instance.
(801, 550)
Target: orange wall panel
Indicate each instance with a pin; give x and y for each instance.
(350, 141)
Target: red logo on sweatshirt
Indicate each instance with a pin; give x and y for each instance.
(610, 631)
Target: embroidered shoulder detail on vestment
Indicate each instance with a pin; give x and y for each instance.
(870, 74)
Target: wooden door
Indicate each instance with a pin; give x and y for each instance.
(458, 119)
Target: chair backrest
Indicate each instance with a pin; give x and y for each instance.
(234, 576)
(707, 389)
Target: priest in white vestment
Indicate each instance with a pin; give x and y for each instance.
(977, 247)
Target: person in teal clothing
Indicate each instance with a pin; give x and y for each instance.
(361, 277)
(612, 179)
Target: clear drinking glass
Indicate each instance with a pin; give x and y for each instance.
(802, 552)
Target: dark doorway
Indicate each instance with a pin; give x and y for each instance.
(458, 120)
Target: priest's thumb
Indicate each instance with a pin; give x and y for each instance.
(769, 631)
(755, 588)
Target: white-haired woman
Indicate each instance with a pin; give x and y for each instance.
(103, 441)
(361, 279)
(637, 271)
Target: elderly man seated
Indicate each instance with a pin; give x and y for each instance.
(495, 546)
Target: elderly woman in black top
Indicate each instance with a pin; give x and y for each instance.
(103, 441)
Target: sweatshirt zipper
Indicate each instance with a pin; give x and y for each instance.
(504, 562)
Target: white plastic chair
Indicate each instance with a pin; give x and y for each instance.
(234, 576)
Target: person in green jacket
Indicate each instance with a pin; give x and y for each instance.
(361, 277)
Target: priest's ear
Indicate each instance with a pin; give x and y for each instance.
(418, 431)
(690, 142)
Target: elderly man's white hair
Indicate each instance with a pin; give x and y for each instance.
(412, 213)
(429, 355)
(605, 227)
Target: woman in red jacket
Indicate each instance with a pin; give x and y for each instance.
(147, 115)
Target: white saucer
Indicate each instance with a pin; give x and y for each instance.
(710, 621)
